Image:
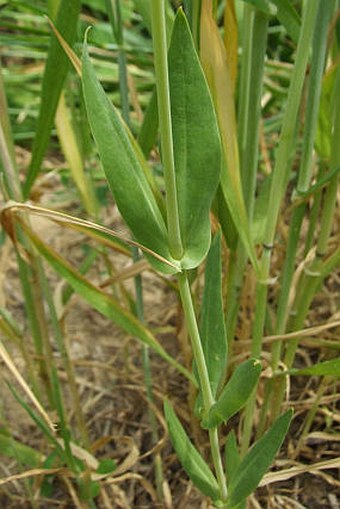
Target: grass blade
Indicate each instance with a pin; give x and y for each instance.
(326, 368)
(289, 18)
(54, 76)
(188, 455)
(22, 453)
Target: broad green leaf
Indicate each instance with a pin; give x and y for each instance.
(213, 58)
(257, 461)
(22, 453)
(56, 68)
(212, 326)
(326, 368)
(100, 301)
(231, 456)
(196, 143)
(289, 18)
(125, 168)
(191, 460)
(235, 394)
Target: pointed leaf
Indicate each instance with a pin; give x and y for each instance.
(257, 461)
(125, 168)
(196, 143)
(212, 326)
(56, 68)
(232, 456)
(188, 455)
(235, 394)
(326, 368)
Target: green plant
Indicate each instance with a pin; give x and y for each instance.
(210, 125)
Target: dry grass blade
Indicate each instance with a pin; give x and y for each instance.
(288, 473)
(310, 331)
(129, 476)
(76, 62)
(60, 217)
(130, 460)
(31, 473)
(11, 366)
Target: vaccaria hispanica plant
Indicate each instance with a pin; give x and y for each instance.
(209, 155)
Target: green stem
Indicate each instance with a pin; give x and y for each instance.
(164, 112)
(287, 137)
(254, 51)
(278, 186)
(203, 376)
(313, 275)
(305, 174)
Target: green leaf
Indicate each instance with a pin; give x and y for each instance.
(190, 458)
(125, 168)
(56, 68)
(232, 456)
(235, 394)
(289, 18)
(148, 132)
(22, 453)
(39, 422)
(196, 139)
(262, 5)
(221, 210)
(100, 301)
(257, 461)
(326, 368)
(212, 326)
(88, 489)
(106, 466)
(143, 9)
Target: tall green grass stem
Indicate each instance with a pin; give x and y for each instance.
(164, 113)
(316, 270)
(254, 51)
(279, 182)
(66, 362)
(304, 178)
(287, 138)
